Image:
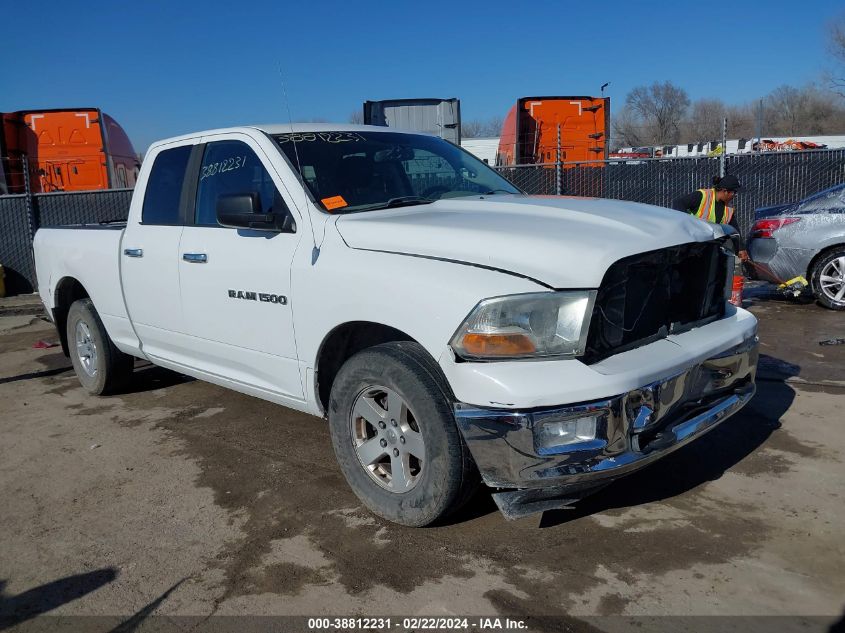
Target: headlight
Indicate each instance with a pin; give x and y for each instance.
(526, 326)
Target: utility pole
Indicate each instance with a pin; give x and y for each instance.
(760, 125)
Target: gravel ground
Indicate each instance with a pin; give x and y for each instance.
(180, 498)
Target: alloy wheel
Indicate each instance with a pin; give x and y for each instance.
(832, 279)
(387, 439)
(86, 349)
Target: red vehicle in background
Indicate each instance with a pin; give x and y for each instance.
(540, 130)
(73, 149)
(769, 145)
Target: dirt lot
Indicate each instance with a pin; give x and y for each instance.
(182, 498)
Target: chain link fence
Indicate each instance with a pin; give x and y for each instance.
(16, 245)
(13, 175)
(81, 207)
(21, 214)
(768, 178)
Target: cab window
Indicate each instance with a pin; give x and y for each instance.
(164, 187)
(231, 167)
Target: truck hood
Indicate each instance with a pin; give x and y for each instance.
(560, 242)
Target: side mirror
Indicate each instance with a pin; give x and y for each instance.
(243, 211)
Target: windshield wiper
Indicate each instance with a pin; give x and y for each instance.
(494, 191)
(402, 201)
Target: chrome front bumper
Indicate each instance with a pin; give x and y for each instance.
(634, 429)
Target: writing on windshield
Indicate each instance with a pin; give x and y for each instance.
(377, 170)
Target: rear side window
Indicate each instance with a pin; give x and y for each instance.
(164, 187)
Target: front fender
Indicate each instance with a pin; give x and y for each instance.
(426, 299)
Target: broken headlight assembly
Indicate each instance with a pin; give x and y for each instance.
(536, 325)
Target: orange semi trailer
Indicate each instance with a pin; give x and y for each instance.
(530, 130)
(73, 149)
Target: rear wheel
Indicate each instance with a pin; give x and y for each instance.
(395, 437)
(99, 365)
(828, 279)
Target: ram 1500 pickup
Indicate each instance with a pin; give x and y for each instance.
(451, 329)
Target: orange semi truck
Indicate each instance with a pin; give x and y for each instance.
(533, 126)
(72, 149)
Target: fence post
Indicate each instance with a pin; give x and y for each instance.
(558, 170)
(32, 220)
(724, 148)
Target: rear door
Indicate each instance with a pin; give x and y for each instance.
(236, 282)
(149, 256)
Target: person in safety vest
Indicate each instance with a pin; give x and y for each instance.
(712, 204)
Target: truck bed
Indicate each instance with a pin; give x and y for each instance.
(90, 255)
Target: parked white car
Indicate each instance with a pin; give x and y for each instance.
(451, 329)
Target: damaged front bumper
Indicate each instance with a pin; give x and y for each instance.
(594, 443)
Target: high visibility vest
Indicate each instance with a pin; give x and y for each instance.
(707, 208)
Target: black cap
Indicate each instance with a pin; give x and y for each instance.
(729, 183)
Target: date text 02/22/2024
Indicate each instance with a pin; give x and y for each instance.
(416, 624)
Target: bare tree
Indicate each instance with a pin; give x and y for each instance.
(836, 48)
(627, 129)
(494, 126)
(741, 121)
(471, 129)
(809, 110)
(705, 120)
(476, 128)
(654, 115)
(658, 110)
(786, 105)
(822, 113)
(356, 117)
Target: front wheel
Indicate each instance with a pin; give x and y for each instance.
(99, 365)
(828, 279)
(395, 437)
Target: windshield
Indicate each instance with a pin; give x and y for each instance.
(363, 171)
(830, 200)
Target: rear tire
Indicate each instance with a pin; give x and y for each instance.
(395, 436)
(828, 279)
(101, 367)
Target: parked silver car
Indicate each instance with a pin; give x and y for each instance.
(807, 239)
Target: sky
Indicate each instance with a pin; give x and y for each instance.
(168, 68)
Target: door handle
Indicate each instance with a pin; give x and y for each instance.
(133, 252)
(195, 258)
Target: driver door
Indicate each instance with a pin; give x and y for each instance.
(236, 283)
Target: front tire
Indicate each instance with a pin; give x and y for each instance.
(99, 365)
(828, 279)
(395, 437)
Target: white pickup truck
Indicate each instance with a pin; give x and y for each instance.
(451, 329)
